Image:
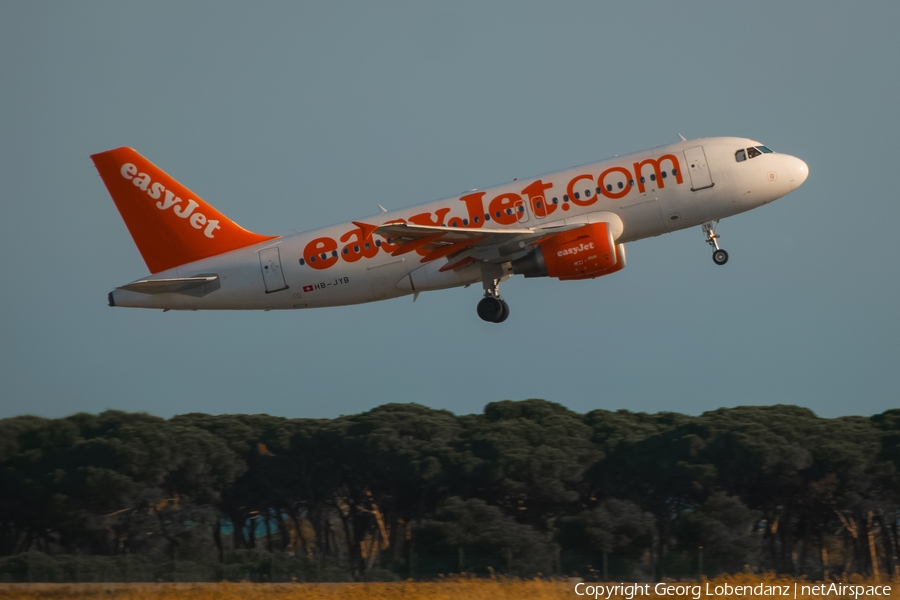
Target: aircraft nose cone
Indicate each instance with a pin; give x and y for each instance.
(798, 172)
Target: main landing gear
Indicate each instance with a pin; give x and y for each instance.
(719, 256)
(492, 308)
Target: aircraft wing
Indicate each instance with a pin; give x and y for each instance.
(464, 245)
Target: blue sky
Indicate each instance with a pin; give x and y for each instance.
(300, 115)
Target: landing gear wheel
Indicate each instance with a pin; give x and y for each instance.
(720, 257)
(493, 310)
(505, 312)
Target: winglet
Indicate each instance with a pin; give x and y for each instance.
(366, 229)
(170, 225)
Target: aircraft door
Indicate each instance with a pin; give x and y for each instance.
(539, 206)
(521, 211)
(698, 168)
(516, 209)
(270, 264)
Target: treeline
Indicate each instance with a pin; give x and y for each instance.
(403, 490)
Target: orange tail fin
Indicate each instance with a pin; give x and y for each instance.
(170, 225)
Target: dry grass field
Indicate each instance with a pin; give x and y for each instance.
(444, 589)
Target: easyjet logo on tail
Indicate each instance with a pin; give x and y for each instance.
(157, 191)
(170, 224)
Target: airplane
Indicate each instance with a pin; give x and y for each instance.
(569, 225)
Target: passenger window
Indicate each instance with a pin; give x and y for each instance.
(740, 155)
(753, 152)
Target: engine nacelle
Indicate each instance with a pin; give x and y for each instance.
(583, 253)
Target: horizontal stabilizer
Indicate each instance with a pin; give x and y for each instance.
(178, 285)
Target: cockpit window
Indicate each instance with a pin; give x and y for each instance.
(744, 154)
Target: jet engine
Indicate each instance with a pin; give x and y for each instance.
(583, 253)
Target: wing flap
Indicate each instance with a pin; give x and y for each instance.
(405, 232)
(460, 244)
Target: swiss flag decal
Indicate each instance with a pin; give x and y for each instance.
(307, 288)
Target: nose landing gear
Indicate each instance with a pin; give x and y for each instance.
(719, 256)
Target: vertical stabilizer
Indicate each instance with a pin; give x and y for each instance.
(170, 225)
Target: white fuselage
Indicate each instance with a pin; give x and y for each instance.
(693, 182)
